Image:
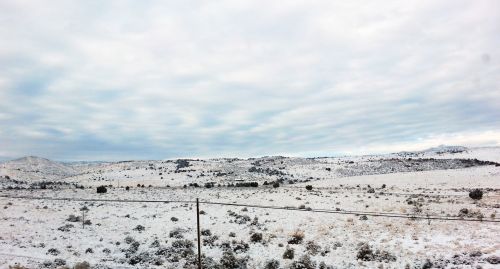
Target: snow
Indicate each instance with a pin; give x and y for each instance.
(29, 228)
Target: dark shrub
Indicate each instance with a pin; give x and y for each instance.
(304, 262)
(66, 228)
(53, 251)
(272, 264)
(181, 164)
(229, 260)
(139, 228)
(182, 244)
(289, 253)
(276, 185)
(174, 219)
(73, 218)
(256, 237)
(309, 187)
(427, 264)
(101, 189)
(127, 188)
(476, 194)
(313, 248)
(177, 233)
(365, 253)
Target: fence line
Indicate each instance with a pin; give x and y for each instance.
(327, 211)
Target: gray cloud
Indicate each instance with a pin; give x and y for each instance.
(156, 79)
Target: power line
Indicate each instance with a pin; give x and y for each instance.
(349, 212)
(328, 211)
(95, 200)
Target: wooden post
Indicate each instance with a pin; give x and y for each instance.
(198, 224)
(83, 219)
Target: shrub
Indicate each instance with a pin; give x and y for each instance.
(427, 265)
(210, 240)
(206, 232)
(365, 253)
(139, 228)
(476, 194)
(127, 188)
(181, 164)
(53, 251)
(101, 189)
(177, 233)
(296, 237)
(228, 260)
(256, 237)
(17, 266)
(289, 253)
(129, 240)
(276, 185)
(304, 262)
(371, 190)
(174, 219)
(82, 265)
(66, 228)
(182, 244)
(73, 218)
(272, 264)
(309, 187)
(240, 247)
(313, 248)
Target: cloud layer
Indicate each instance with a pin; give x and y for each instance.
(163, 79)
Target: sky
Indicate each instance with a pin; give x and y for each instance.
(118, 80)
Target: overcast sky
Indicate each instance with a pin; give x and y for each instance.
(114, 80)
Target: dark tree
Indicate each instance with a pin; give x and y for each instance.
(476, 194)
(102, 189)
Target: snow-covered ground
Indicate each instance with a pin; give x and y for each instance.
(41, 233)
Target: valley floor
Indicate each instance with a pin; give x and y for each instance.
(41, 233)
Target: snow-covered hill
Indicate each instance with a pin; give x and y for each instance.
(35, 168)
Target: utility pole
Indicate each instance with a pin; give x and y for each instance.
(198, 224)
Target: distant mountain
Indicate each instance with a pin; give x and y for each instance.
(447, 149)
(36, 167)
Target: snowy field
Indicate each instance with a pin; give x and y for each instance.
(421, 188)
